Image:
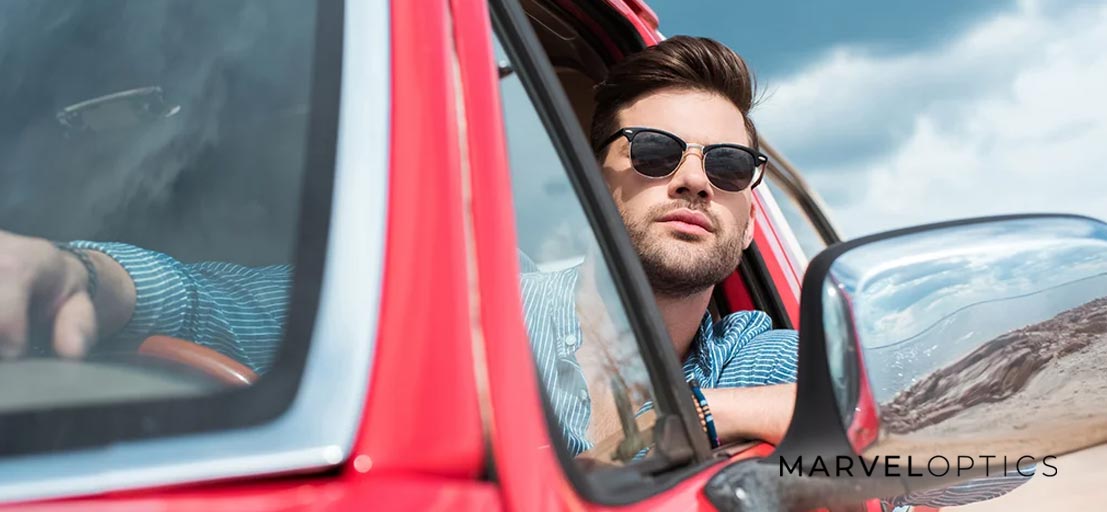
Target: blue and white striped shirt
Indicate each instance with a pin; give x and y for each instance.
(241, 311)
(236, 310)
(739, 350)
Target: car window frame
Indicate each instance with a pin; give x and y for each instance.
(108, 423)
(756, 283)
(529, 61)
(791, 182)
(335, 247)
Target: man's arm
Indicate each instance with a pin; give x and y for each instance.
(44, 289)
(755, 392)
(236, 310)
(761, 412)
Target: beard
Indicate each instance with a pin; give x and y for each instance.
(679, 264)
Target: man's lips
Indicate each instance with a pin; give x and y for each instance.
(687, 216)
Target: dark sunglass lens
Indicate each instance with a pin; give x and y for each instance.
(654, 154)
(730, 169)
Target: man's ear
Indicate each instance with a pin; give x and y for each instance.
(747, 235)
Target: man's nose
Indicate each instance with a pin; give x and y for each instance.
(689, 179)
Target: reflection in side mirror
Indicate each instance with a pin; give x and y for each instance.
(935, 355)
(972, 339)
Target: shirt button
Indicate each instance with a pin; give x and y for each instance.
(583, 394)
(569, 339)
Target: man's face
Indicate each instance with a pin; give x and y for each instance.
(680, 257)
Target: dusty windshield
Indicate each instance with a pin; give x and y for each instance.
(152, 156)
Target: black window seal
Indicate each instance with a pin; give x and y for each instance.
(84, 426)
(531, 64)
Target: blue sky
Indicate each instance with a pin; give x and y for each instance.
(776, 37)
(902, 113)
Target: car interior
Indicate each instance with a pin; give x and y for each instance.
(171, 125)
(579, 66)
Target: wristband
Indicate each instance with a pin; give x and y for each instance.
(705, 411)
(90, 268)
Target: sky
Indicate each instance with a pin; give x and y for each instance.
(903, 113)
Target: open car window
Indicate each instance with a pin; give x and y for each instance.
(616, 402)
(587, 357)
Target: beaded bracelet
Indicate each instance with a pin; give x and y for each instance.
(90, 268)
(705, 414)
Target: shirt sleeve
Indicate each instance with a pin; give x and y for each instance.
(785, 349)
(770, 357)
(236, 310)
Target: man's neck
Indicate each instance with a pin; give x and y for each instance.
(682, 316)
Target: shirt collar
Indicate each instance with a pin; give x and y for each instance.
(697, 365)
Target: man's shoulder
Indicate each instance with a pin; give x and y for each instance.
(744, 327)
(749, 352)
(753, 338)
(547, 298)
(548, 280)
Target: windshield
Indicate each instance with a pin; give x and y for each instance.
(152, 178)
(175, 125)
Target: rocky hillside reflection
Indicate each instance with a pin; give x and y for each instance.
(1042, 372)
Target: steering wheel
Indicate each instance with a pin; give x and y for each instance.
(198, 357)
(162, 367)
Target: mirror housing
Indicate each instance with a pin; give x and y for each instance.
(968, 341)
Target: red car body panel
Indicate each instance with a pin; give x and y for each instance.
(526, 465)
(783, 275)
(428, 424)
(425, 442)
(312, 494)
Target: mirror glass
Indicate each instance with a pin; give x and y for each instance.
(988, 337)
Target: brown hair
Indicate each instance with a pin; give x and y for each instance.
(681, 62)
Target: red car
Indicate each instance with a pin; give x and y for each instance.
(401, 154)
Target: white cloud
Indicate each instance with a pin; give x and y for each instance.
(1009, 116)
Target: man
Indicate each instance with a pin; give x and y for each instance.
(677, 149)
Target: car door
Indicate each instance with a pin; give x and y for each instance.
(178, 127)
(538, 203)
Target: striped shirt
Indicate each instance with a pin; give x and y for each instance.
(739, 350)
(241, 311)
(236, 310)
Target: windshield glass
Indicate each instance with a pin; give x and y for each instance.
(152, 161)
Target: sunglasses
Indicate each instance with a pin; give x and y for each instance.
(657, 154)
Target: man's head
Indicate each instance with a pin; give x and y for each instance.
(688, 232)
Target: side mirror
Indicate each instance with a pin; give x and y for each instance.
(948, 352)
